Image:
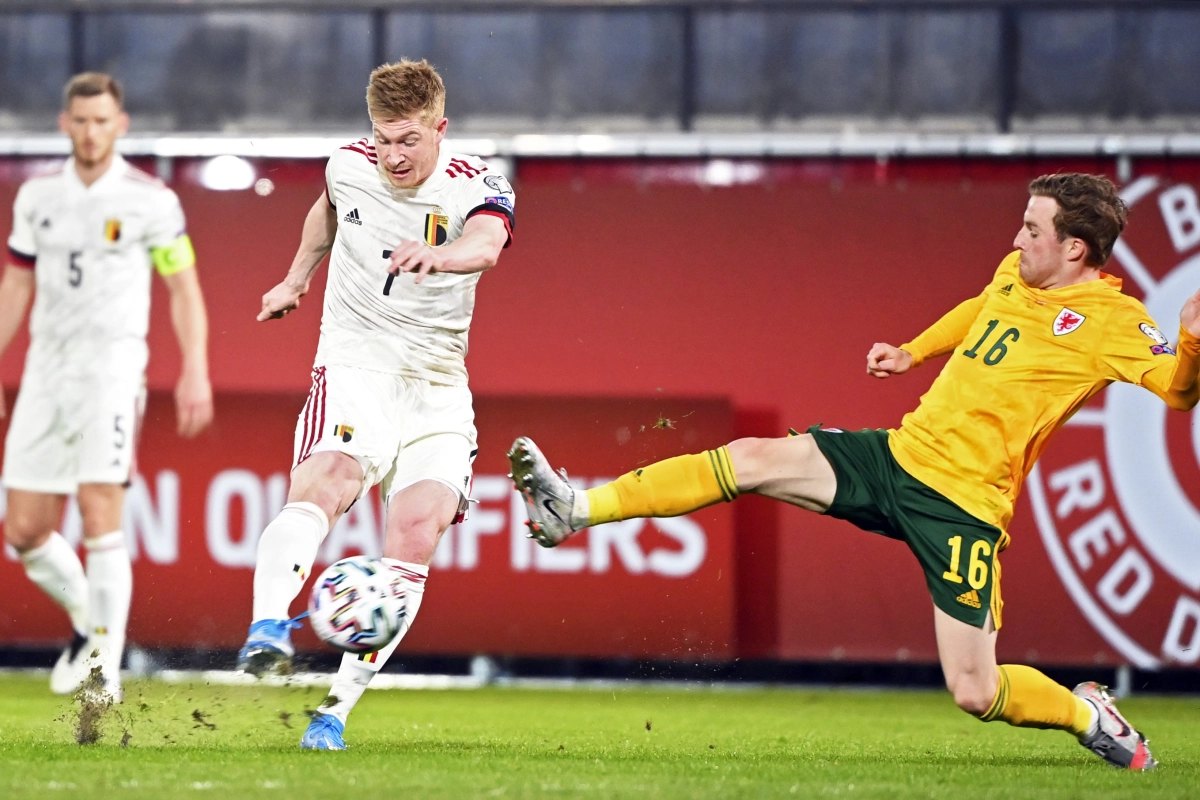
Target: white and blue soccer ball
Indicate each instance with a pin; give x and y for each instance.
(357, 604)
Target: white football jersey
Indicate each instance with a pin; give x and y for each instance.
(389, 323)
(90, 247)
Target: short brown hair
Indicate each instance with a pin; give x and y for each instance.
(406, 89)
(92, 84)
(1089, 208)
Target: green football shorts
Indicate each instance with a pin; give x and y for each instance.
(957, 551)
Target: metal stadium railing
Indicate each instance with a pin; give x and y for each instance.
(967, 66)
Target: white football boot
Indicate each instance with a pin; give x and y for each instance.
(549, 499)
(1113, 739)
(72, 666)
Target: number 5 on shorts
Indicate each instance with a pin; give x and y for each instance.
(977, 570)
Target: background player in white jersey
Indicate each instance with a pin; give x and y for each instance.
(83, 242)
(410, 228)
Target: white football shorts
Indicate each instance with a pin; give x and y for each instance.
(64, 433)
(400, 430)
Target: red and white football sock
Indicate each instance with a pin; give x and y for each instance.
(286, 551)
(357, 671)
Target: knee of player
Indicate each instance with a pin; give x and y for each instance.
(417, 523)
(99, 502)
(333, 498)
(25, 531)
(750, 458)
(332, 484)
(973, 696)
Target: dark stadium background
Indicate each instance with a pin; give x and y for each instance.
(738, 203)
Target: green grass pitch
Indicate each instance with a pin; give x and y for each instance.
(221, 741)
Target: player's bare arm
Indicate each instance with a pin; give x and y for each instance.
(193, 392)
(316, 240)
(477, 250)
(16, 289)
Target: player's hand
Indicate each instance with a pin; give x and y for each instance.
(883, 360)
(414, 256)
(193, 404)
(1189, 317)
(280, 300)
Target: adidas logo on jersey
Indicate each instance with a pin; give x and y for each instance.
(970, 598)
(1007, 290)
(353, 217)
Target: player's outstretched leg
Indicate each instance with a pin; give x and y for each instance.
(417, 517)
(667, 488)
(1026, 698)
(355, 672)
(286, 552)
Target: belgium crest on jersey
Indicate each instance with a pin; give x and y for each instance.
(435, 228)
(112, 230)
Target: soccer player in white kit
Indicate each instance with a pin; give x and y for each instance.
(410, 228)
(83, 243)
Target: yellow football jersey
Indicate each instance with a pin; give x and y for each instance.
(1024, 360)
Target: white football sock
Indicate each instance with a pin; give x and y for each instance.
(580, 510)
(286, 551)
(110, 588)
(56, 569)
(356, 671)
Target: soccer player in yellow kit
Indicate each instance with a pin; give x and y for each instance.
(1050, 331)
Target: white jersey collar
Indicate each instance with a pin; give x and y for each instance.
(437, 180)
(116, 170)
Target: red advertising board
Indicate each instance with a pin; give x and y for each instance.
(645, 281)
(1116, 501)
(636, 588)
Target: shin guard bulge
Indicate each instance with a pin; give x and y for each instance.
(1027, 698)
(286, 552)
(667, 488)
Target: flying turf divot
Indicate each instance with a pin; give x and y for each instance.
(92, 706)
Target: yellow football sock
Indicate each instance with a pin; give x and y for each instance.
(665, 489)
(1028, 699)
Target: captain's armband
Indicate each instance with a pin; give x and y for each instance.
(174, 257)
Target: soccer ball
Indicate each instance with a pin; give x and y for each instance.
(357, 604)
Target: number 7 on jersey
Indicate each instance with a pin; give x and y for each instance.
(387, 285)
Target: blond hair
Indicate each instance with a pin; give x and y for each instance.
(406, 89)
(92, 84)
